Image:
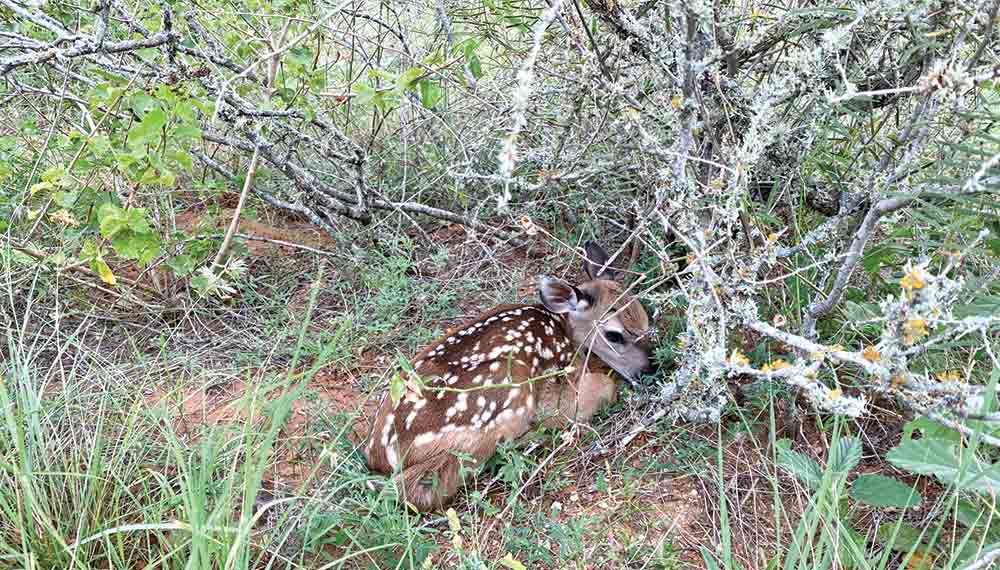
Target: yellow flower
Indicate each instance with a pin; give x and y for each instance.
(914, 329)
(897, 381)
(775, 366)
(676, 101)
(871, 354)
(835, 394)
(914, 279)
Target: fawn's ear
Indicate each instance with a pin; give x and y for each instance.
(595, 259)
(560, 297)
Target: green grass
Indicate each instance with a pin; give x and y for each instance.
(95, 474)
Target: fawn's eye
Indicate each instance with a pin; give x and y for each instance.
(614, 337)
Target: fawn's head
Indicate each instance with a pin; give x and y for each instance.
(601, 316)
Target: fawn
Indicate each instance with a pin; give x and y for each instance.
(492, 378)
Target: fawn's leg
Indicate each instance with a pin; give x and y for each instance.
(578, 399)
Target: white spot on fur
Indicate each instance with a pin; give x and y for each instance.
(425, 438)
(391, 456)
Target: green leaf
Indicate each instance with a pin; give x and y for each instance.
(187, 132)
(708, 559)
(89, 251)
(300, 55)
(365, 93)
(475, 67)
(65, 199)
(905, 539)
(149, 128)
(930, 429)
(510, 562)
(882, 491)
(182, 265)
(430, 93)
(143, 104)
(103, 271)
(407, 80)
(804, 468)
(926, 457)
(142, 247)
(396, 388)
(845, 455)
(112, 219)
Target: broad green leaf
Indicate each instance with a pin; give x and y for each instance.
(65, 199)
(143, 103)
(182, 265)
(930, 429)
(301, 55)
(137, 221)
(985, 479)
(89, 251)
(365, 93)
(925, 456)
(882, 491)
(142, 247)
(112, 219)
(430, 93)
(510, 562)
(407, 80)
(149, 128)
(103, 271)
(186, 132)
(905, 539)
